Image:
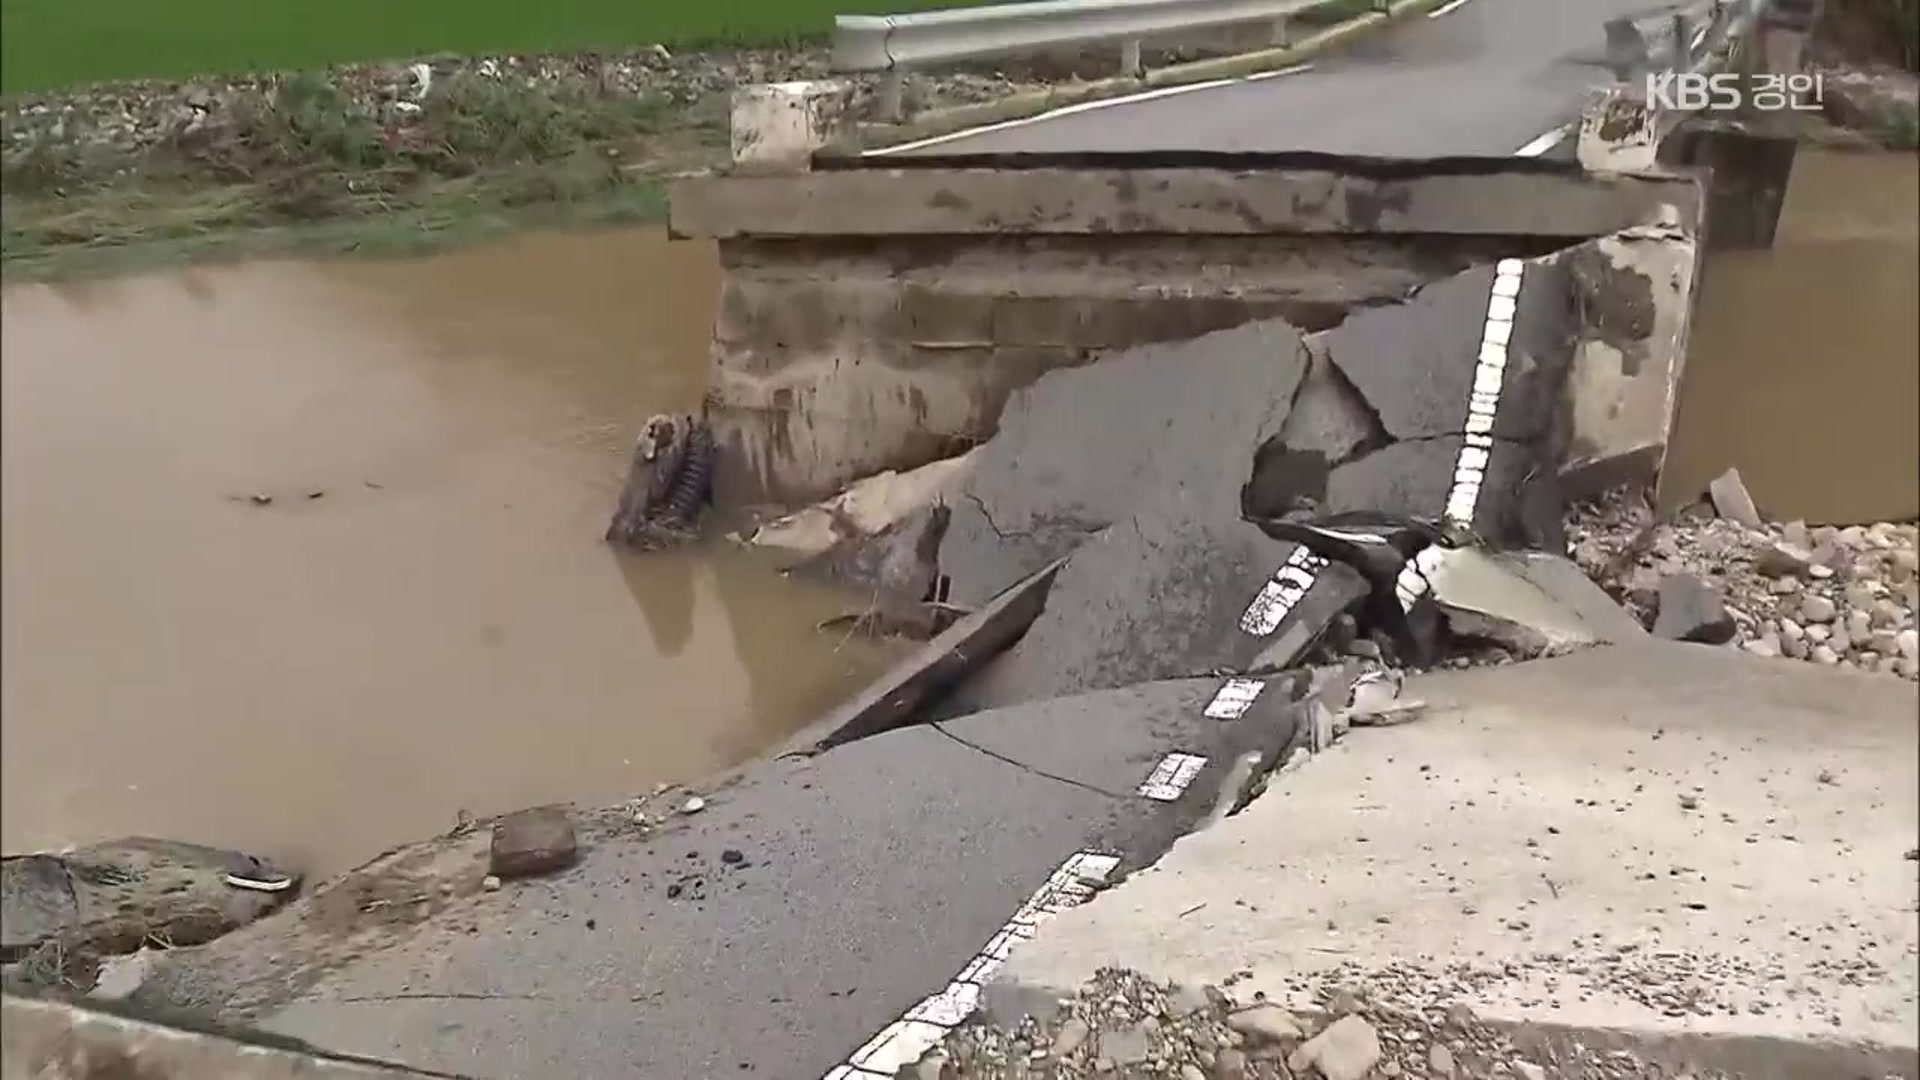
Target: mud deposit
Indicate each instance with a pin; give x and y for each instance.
(303, 559)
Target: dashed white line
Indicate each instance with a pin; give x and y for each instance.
(1233, 699)
(1446, 8)
(1261, 76)
(921, 1028)
(1282, 592)
(1172, 776)
(1544, 142)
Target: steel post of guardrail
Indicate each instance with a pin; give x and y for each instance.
(891, 45)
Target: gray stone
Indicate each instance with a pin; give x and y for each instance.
(1347, 1050)
(1768, 646)
(1191, 1071)
(1825, 656)
(1072, 1034)
(1791, 631)
(1266, 1023)
(1731, 500)
(1128, 1045)
(1818, 634)
(1859, 625)
(1691, 610)
(1230, 1065)
(1886, 614)
(530, 842)
(1908, 642)
(1818, 609)
(1527, 1070)
(1840, 641)
(1783, 559)
(1440, 1062)
(1794, 648)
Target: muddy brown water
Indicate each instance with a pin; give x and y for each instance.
(439, 629)
(1803, 368)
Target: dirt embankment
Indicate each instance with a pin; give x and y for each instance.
(385, 156)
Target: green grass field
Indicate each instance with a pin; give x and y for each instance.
(49, 44)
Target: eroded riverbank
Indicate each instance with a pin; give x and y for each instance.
(423, 618)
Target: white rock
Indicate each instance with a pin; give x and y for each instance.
(490, 883)
(1796, 648)
(1527, 1070)
(1859, 625)
(1819, 635)
(1840, 641)
(1767, 646)
(1347, 1050)
(693, 805)
(1791, 630)
(1908, 642)
(1440, 1062)
(1818, 609)
(1266, 1022)
(1825, 656)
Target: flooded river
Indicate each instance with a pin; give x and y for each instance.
(1804, 365)
(423, 618)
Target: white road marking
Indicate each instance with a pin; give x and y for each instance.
(1260, 76)
(1449, 6)
(1544, 142)
(921, 1028)
(1066, 110)
(1170, 779)
(1281, 592)
(1233, 700)
(1483, 404)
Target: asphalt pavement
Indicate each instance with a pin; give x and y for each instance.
(827, 913)
(1485, 78)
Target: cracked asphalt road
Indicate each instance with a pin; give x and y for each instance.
(803, 910)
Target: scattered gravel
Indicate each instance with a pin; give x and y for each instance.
(1123, 1024)
(1826, 595)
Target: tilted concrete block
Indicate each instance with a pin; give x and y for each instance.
(777, 127)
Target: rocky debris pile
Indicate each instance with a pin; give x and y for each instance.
(64, 914)
(1829, 595)
(135, 116)
(1123, 1024)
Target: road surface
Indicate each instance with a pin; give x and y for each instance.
(1485, 78)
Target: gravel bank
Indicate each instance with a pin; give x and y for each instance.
(1820, 594)
(1123, 1024)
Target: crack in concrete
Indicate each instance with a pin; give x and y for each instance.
(1377, 437)
(1023, 766)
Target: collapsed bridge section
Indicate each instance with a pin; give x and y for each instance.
(877, 313)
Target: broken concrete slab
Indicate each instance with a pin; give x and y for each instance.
(1689, 609)
(1730, 499)
(898, 697)
(1083, 449)
(1531, 603)
(865, 509)
(1164, 595)
(1544, 868)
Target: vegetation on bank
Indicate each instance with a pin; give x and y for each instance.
(304, 162)
(49, 44)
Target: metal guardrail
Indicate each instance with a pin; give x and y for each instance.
(894, 44)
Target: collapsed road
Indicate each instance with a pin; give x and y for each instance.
(1190, 521)
(835, 911)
